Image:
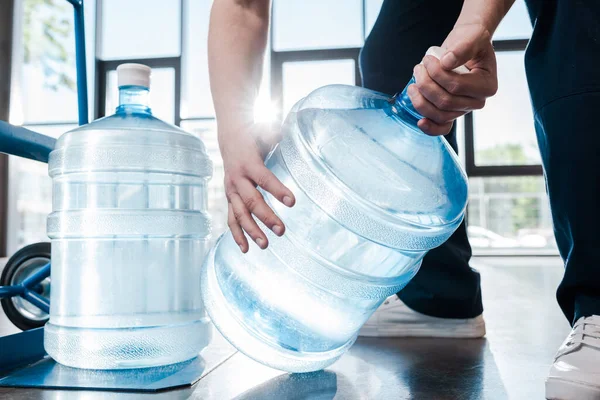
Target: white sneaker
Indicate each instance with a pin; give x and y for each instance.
(575, 373)
(395, 319)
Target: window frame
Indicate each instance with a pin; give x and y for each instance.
(7, 12)
(103, 67)
(12, 34)
(474, 170)
(277, 59)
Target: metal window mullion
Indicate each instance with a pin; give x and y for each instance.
(7, 11)
(276, 82)
(316, 54)
(179, 70)
(177, 83)
(491, 171)
(469, 144)
(100, 105)
(364, 20)
(50, 123)
(98, 77)
(198, 119)
(160, 62)
(510, 45)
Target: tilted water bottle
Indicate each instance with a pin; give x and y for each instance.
(129, 233)
(373, 195)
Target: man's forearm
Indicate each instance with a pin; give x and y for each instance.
(487, 13)
(237, 41)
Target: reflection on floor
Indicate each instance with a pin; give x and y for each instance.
(524, 324)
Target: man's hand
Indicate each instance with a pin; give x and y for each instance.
(237, 39)
(440, 94)
(243, 158)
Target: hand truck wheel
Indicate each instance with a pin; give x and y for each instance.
(21, 265)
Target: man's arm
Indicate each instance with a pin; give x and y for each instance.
(237, 40)
(483, 16)
(441, 95)
(236, 45)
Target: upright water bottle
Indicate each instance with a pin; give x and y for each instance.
(373, 195)
(129, 232)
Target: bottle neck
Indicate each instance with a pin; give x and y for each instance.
(403, 107)
(133, 99)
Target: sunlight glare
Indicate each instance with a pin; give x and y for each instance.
(264, 110)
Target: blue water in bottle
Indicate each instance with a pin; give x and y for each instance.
(129, 233)
(373, 195)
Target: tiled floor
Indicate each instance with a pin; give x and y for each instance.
(524, 324)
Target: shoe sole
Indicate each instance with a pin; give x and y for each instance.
(460, 330)
(559, 389)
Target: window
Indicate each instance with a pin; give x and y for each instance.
(44, 99)
(44, 77)
(372, 8)
(197, 101)
(508, 213)
(135, 29)
(507, 141)
(504, 212)
(508, 206)
(154, 40)
(180, 90)
(312, 43)
(317, 24)
(516, 23)
(301, 78)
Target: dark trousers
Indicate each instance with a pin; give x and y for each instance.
(562, 69)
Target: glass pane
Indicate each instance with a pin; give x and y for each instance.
(197, 100)
(317, 24)
(372, 8)
(217, 201)
(516, 23)
(140, 29)
(30, 196)
(162, 93)
(44, 78)
(301, 78)
(504, 129)
(508, 213)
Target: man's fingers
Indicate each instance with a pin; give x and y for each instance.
(478, 83)
(441, 98)
(245, 220)
(256, 204)
(429, 110)
(264, 178)
(433, 129)
(236, 230)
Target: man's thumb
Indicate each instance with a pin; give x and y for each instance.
(449, 61)
(458, 55)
